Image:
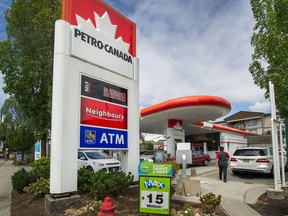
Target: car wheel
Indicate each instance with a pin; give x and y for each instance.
(271, 174)
(90, 168)
(206, 163)
(235, 172)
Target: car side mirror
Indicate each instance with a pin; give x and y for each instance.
(82, 158)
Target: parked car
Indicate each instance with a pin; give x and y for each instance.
(150, 155)
(198, 158)
(96, 160)
(253, 159)
(142, 152)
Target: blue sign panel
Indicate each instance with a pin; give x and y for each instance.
(94, 137)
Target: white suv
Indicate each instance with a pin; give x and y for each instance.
(96, 160)
(254, 159)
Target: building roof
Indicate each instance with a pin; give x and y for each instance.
(244, 115)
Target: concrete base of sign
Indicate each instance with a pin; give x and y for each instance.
(58, 205)
(188, 187)
(285, 188)
(275, 194)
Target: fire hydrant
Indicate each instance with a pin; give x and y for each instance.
(107, 208)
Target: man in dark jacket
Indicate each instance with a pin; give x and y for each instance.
(222, 159)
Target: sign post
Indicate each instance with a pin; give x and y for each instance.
(155, 187)
(95, 103)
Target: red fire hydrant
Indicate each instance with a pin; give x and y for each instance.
(107, 208)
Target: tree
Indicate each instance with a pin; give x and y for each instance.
(26, 59)
(18, 133)
(270, 42)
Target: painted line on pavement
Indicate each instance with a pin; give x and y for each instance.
(210, 173)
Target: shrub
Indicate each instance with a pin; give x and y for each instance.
(38, 188)
(19, 162)
(41, 168)
(102, 184)
(84, 179)
(21, 179)
(209, 202)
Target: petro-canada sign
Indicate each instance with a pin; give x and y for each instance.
(100, 41)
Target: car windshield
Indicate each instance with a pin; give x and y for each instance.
(97, 155)
(149, 152)
(251, 152)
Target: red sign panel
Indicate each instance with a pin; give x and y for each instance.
(103, 114)
(86, 8)
(197, 144)
(174, 122)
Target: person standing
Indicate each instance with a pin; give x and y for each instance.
(222, 159)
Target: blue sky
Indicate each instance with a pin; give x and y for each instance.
(190, 48)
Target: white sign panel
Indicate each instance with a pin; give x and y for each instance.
(183, 146)
(99, 47)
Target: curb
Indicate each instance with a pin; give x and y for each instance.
(252, 195)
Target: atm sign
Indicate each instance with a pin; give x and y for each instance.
(104, 138)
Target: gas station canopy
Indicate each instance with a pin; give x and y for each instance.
(190, 110)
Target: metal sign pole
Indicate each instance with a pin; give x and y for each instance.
(184, 163)
(282, 155)
(276, 168)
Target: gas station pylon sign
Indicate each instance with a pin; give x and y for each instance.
(95, 101)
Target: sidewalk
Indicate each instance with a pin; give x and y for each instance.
(235, 195)
(6, 170)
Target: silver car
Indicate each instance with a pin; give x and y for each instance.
(95, 160)
(150, 155)
(253, 159)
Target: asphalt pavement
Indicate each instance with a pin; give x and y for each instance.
(235, 195)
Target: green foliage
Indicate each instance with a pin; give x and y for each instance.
(36, 180)
(18, 162)
(39, 188)
(26, 58)
(209, 201)
(102, 184)
(41, 168)
(270, 42)
(187, 210)
(21, 179)
(16, 130)
(149, 145)
(84, 179)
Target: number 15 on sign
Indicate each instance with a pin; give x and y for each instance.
(152, 199)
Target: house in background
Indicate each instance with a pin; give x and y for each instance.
(257, 124)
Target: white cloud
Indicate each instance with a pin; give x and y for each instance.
(194, 48)
(258, 106)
